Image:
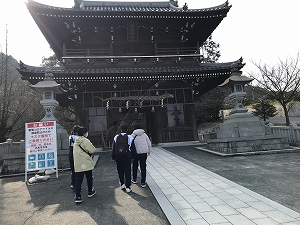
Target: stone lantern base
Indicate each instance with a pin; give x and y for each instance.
(253, 144)
(243, 132)
(62, 147)
(240, 125)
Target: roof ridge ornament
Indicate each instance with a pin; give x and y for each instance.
(185, 6)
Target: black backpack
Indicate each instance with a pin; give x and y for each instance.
(121, 146)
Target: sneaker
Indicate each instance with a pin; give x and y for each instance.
(143, 185)
(78, 199)
(128, 189)
(123, 186)
(91, 194)
(134, 181)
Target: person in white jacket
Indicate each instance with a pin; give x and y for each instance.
(83, 163)
(143, 147)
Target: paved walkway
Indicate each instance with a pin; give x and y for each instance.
(186, 192)
(52, 202)
(190, 194)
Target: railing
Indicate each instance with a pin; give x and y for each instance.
(176, 51)
(86, 52)
(98, 139)
(10, 147)
(204, 136)
(108, 51)
(292, 133)
(177, 134)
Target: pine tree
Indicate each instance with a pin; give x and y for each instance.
(264, 109)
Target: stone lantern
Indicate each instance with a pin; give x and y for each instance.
(48, 88)
(240, 122)
(241, 131)
(237, 82)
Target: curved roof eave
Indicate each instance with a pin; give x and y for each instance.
(27, 71)
(40, 5)
(131, 7)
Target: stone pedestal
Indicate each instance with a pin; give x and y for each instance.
(248, 144)
(241, 125)
(242, 132)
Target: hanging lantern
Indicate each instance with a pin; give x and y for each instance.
(107, 105)
(152, 109)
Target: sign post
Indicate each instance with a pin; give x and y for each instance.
(40, 146)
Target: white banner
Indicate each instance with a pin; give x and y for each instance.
(40, 145)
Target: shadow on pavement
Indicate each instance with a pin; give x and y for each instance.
(52, 202)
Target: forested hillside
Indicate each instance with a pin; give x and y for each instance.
(18, 102)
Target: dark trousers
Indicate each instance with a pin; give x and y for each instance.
(139, 159)
(79, 178)
(71, 161)
(124, 171)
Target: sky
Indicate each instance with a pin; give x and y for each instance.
(260, 31)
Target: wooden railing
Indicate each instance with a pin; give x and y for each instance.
(176, 51)
(99, 139)
(177, 134)
(87, 52)
(109, 51)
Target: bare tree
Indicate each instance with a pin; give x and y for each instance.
(18, 102)
(282, 81)
(24, 107)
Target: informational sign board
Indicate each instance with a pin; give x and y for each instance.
(40, 146)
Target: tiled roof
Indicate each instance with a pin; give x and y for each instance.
(134, 70)
(105, 6)
(143, 7)
(133, 73)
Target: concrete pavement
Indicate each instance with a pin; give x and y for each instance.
(52, 202)
(275, 176)
(185, 187)
(200, 196)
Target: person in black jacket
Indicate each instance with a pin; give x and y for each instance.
(123, 154)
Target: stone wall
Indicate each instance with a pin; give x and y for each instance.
(248, 144)
(13, 161)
